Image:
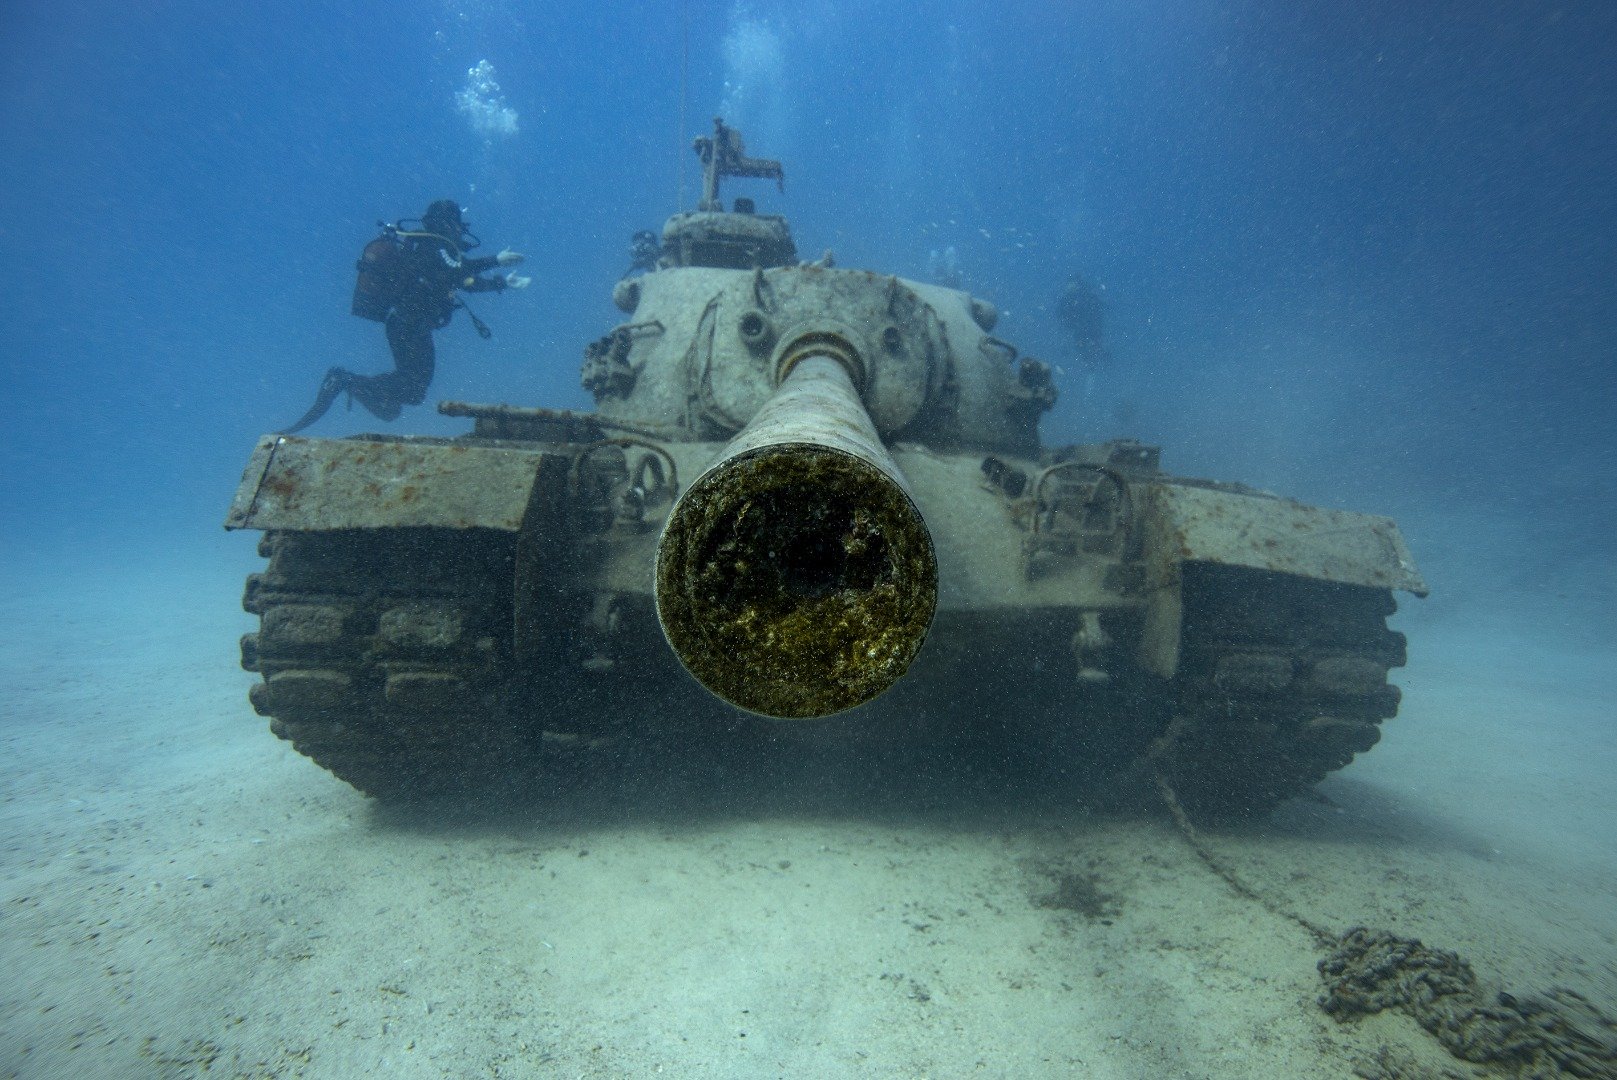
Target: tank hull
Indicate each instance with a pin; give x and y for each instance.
(447, 615)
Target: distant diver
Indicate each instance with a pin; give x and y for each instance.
(1082, 313)
(645, 253)
(943, 267)
(407, 281)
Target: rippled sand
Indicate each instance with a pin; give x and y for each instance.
(185, 896)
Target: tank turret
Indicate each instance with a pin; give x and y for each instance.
(700, 353)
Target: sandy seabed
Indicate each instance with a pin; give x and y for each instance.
(185, 896)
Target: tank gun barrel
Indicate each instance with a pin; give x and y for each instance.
(796, 577)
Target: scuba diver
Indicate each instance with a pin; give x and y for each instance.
(1081, 310)
(407, 281)
(1082, 313)
(943, 267)
(645, 251)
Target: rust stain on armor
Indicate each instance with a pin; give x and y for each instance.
(319, 484)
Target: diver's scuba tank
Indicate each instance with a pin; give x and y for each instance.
(381, 269)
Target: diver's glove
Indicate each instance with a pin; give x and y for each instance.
(516, 281)
(508, 257)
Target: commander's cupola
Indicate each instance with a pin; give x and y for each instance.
(734, 239)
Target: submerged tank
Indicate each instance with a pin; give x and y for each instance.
(810, 501)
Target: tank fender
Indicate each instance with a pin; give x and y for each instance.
(1199, 522)
(306, 485)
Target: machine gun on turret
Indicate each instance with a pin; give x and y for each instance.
(723, 154)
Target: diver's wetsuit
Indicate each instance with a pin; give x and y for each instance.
(425, 301)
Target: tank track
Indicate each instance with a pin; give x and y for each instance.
(1282, 681)
(384, 657)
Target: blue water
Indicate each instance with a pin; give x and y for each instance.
(1357, 253)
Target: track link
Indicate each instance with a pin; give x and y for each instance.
(1282, 681)
(385, 657)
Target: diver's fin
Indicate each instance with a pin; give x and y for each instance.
(335, 382)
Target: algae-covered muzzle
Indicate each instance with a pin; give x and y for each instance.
(796, 577)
